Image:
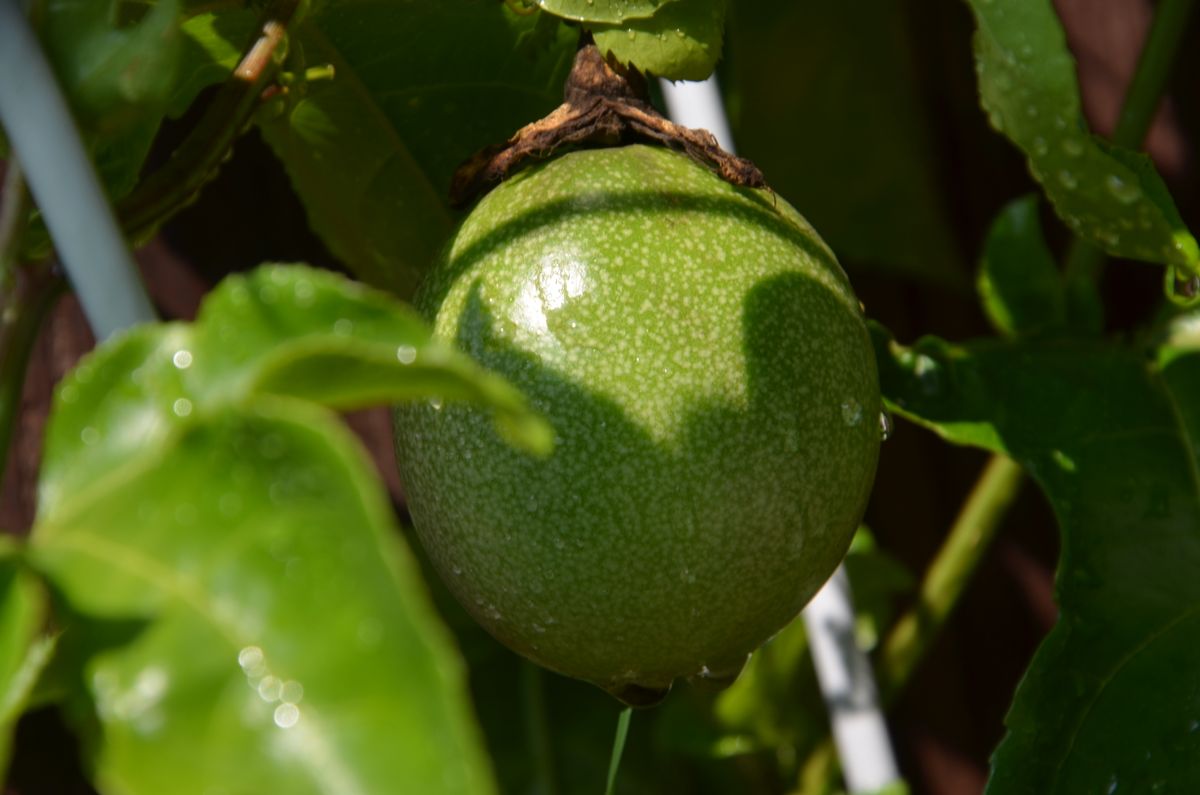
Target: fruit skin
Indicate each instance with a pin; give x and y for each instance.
(710, 379)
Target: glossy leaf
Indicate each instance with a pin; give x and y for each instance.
(281, 330)
(1028, 86)
(286, 642)
(279, 638)
(372, 150)
(682, 41)
(24, 648)
(826, 100)
(1019, 281)
(1112, 438)
(604, 10)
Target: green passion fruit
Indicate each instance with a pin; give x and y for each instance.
(710, 381)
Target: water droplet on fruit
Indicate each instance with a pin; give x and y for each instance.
(852, 412)
(182, 407)
(1068, 180)
(182, 359)
(406, 354)
(89, 435)
(885, 425)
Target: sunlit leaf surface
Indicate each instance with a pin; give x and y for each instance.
(278, 637)
(1028, 87)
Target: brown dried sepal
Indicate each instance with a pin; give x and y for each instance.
(604, 105)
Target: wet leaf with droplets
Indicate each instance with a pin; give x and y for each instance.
(281, 645)
(1112, 436)
(610, 11)
(681, 41)
(280, 330)
(1109, 196)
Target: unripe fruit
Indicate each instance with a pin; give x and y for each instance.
(711, 384)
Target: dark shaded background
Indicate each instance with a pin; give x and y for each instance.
(952, 713)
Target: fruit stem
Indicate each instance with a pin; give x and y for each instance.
(1085, 260)
(948, 574)
(537, 725)
(614, 762)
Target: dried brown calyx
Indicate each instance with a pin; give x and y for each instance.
(604, 105)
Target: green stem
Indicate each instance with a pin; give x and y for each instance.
(614, 762)
(14, 218)
(537, 725)
(196, 161)
(23, 309)
(1085, 260)
(948, 575)
(819, 770)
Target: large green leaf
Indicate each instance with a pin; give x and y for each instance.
(1028, 86)
(681, 41)
(285, 330)
(278, 635)
(24, 649)
(417, 88)
(288, 645)
(1112, 436)
(826, 103)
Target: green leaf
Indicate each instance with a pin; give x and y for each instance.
(1112, 438)
(287, 644)
(24, 649)
(1019, 282)
(612, 11)
(275, 636)
(372, 150)
(1027, 85)
(682, 41)
(825, 98)
(281, 330)
(117, 62)
(213, 42)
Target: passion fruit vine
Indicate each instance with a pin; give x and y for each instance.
(710, 380)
